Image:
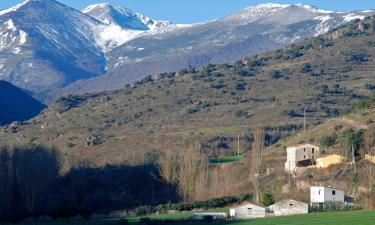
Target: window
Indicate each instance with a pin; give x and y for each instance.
(333, 192)
(312, 150)
(291, 204)
(304, 156)
(304, 149)
(319, 192)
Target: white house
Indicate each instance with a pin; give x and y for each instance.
(247, 211)
(326, 195)
(301, 156)
(289, 207)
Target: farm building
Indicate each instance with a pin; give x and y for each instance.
(326, 195)
(289, 207)
(247, 211)
(209, 216)
(325, 162)
(301, 156)
(370, 156)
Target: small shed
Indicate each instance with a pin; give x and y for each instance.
(247, 211)
(289, 207)
(328, 161)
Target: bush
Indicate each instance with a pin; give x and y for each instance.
(267, 199)
(218, 86)
(245, 73)
(191, 110)
(189, 206)
(328, 140)
(241, 113)
(276, 74)
(306, 68)
(240, 86)
(145, 210)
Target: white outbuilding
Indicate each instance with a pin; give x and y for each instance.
(326, 195)
(247, 211)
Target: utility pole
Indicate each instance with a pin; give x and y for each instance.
(238, 145)
(304, 120)
(354, 166)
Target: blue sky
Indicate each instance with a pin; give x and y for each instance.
(192, 11)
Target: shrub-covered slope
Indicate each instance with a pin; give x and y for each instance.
(213, 104)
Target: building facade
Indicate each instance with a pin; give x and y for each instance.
(301, 156)
(325, 162)
(247, 211)
(326, 195)
(289, 207)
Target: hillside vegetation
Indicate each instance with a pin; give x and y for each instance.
(211, 105)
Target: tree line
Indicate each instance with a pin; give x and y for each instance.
(32, 186)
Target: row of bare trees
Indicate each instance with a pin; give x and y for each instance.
(189, 169)
(26, 179)
(185, 167)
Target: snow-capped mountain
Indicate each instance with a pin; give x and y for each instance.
(255, 29)
(45, 45)
(51, 49)
(124, 24)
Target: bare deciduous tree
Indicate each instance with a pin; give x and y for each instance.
(369, 145)
(256, 159)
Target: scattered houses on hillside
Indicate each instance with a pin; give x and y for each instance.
(301, 156)
(247, 211)
(327, 161)
(289, 207)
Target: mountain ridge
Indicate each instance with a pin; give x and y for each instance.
(80, 53)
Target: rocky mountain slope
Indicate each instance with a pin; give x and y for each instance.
(253, 30)
(52, 50)
(211, 105)
(16, 105)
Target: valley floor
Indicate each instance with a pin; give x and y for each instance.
(331, 218)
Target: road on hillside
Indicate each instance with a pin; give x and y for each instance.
(351, 123)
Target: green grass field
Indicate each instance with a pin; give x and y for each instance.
(226, 159)
(332, 218)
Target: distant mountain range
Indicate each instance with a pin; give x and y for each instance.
(51, 49)
(16, 105)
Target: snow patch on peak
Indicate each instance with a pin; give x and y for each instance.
(352, 16)
(10, 25)
(323, 18)
(324, 26)
(256, 12)
(314, 9)
(23, 37)
(269, 6)
(94, 6)
(14, 8)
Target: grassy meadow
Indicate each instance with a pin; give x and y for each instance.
(330, 218)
